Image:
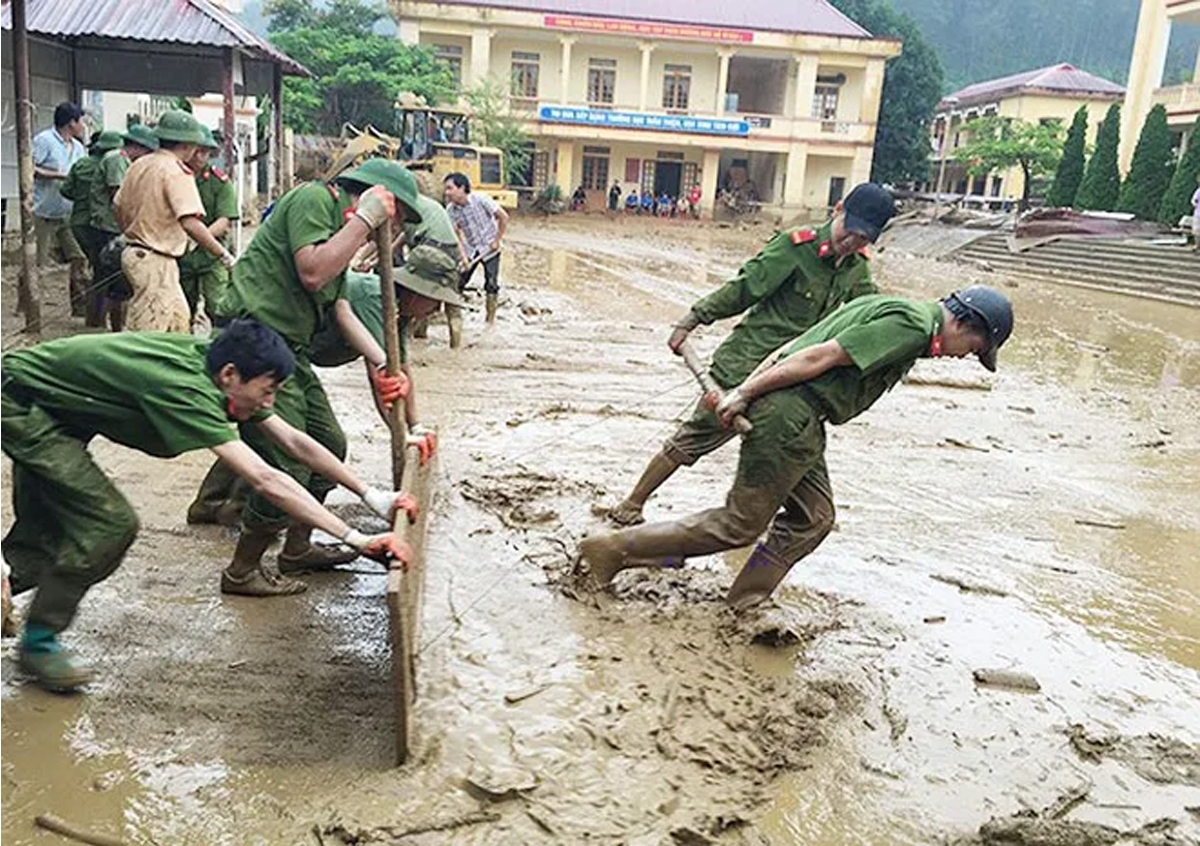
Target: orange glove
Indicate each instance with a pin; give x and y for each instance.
(388, 549)
(425, 440)
(387, 388)
(374, 206)
(387, 503)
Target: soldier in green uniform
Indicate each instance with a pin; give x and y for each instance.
(831, 373)
(110, 174)
(77, 188)
(799, 277)
(199, 272)
(292, 277)
(163, 395)
(435, 233)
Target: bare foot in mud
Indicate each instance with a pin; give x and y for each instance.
(625, 513)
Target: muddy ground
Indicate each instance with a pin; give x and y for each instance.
(1042, 521)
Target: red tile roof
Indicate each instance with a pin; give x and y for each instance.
(1057, 79)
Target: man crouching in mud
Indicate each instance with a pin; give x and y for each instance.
(832, 373)
(161, 394)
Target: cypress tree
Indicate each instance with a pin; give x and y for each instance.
(1151, 169)
(1070, 166)
(1101, 184)
(1177, 202)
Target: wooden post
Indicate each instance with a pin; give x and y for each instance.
(29, 300)
(277, 128)
(391, 337)
(227, 117)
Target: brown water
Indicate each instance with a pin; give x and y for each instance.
(651, 712)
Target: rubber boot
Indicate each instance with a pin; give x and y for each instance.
(301, 555)
(654, 545)
(490, 305)
(455, 321)
(77, 288)
(50, 664)
(760, 575)
(628, 512)
(420, 327)
(245, 574)
(116, 315)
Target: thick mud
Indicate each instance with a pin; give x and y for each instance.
(1039, 524)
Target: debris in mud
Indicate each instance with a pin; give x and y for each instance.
(1099, 524)
(391, 833)
(50, 822)
(512, 497)
(955, 442)
(1009, 679)
(960, 383)
(531, 309)
(1163, 760)
(521, 695)
(1028, 828)
(498, 783)
(967, 587)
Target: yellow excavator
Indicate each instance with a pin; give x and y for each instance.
(432, 140)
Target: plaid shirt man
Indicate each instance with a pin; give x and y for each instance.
(476, 219)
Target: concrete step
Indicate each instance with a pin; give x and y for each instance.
(1182, 262)
(1095, 266)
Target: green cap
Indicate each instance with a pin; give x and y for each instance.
(209, 141)
(391, 175)
(431, 273)
(178, 125)
(107, 140)
(142, 135)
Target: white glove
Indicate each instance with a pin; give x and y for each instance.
(381, 502)
(731, 405)
(228, 259)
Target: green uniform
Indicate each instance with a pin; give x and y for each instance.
(77, 188)
(435, 226)
(265, 285)
(146, 391)
(883, 336)
(109, 175)
(362, 291)
(199, 271)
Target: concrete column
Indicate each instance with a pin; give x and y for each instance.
(1145, 73)
(725, 54)
(566, 41)
(872, 94)
(565, 174)
(481, 55)
(860, 171)
(644, 95)
(806, 85)
(797, 169)
(708, 182)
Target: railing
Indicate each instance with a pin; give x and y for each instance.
(1184, 96)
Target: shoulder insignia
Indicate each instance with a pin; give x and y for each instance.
(185, 169)
(825, 249)
(220, 174)
(865, 252)
(803, 236)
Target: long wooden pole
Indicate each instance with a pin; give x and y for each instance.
(391, 338)
(28, 297)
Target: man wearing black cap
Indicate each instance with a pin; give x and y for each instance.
(829, 374)
(798, 278)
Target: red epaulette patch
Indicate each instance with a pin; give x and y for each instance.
(865, 252)
(803, 236)
(220, 174)
(825, 249)
(935, 346)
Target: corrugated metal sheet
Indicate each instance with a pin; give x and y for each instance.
(172, 21)
(1063, 79)
(816, 17)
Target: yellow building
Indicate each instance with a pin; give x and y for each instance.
(1146, 75)
(662, 96)
(1048, 94)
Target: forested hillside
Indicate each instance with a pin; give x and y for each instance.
(984, 39)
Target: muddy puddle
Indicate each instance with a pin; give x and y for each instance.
(1041, 522)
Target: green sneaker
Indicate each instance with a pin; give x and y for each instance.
(60, 671)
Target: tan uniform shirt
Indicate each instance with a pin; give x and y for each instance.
(157, 192)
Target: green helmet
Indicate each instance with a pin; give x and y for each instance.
(209, 141)
(391, 175)
(178, 125)
(142, 135)
(105, 141)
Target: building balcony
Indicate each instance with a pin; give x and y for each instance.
(1182, 102)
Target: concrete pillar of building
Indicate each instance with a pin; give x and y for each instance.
(860, 170)
(1196, 69)
(709, 171)
(1145, 73)
(806, 85)
(724, 54)
(566, 41)
(872, 94)
(481, 54)
(797, 169)
(409, 31)
(644, 91)
(566, 167)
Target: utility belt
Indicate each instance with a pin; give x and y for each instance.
(815, 401)
(141, 246)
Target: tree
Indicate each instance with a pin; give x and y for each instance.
(1177, 201)
(494, 125)
(1101, 186)
(1151, 169)
(1070, 167)
(912, 86)
(358, 73)
(998, 143)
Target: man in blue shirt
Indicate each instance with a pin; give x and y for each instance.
(54, 151)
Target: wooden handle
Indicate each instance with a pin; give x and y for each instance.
(740, 424)
(391, 337)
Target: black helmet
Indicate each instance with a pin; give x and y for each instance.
(985, 305)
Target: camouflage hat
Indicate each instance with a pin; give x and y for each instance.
(391, 175)
(178, 125)
(108, 140)
(142, 136)
(431, 273)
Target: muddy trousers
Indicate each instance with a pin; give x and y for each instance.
(200, 280)
(54, 232)
(158, 304)
(781, 486)
(71, 525)
(301, 402)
